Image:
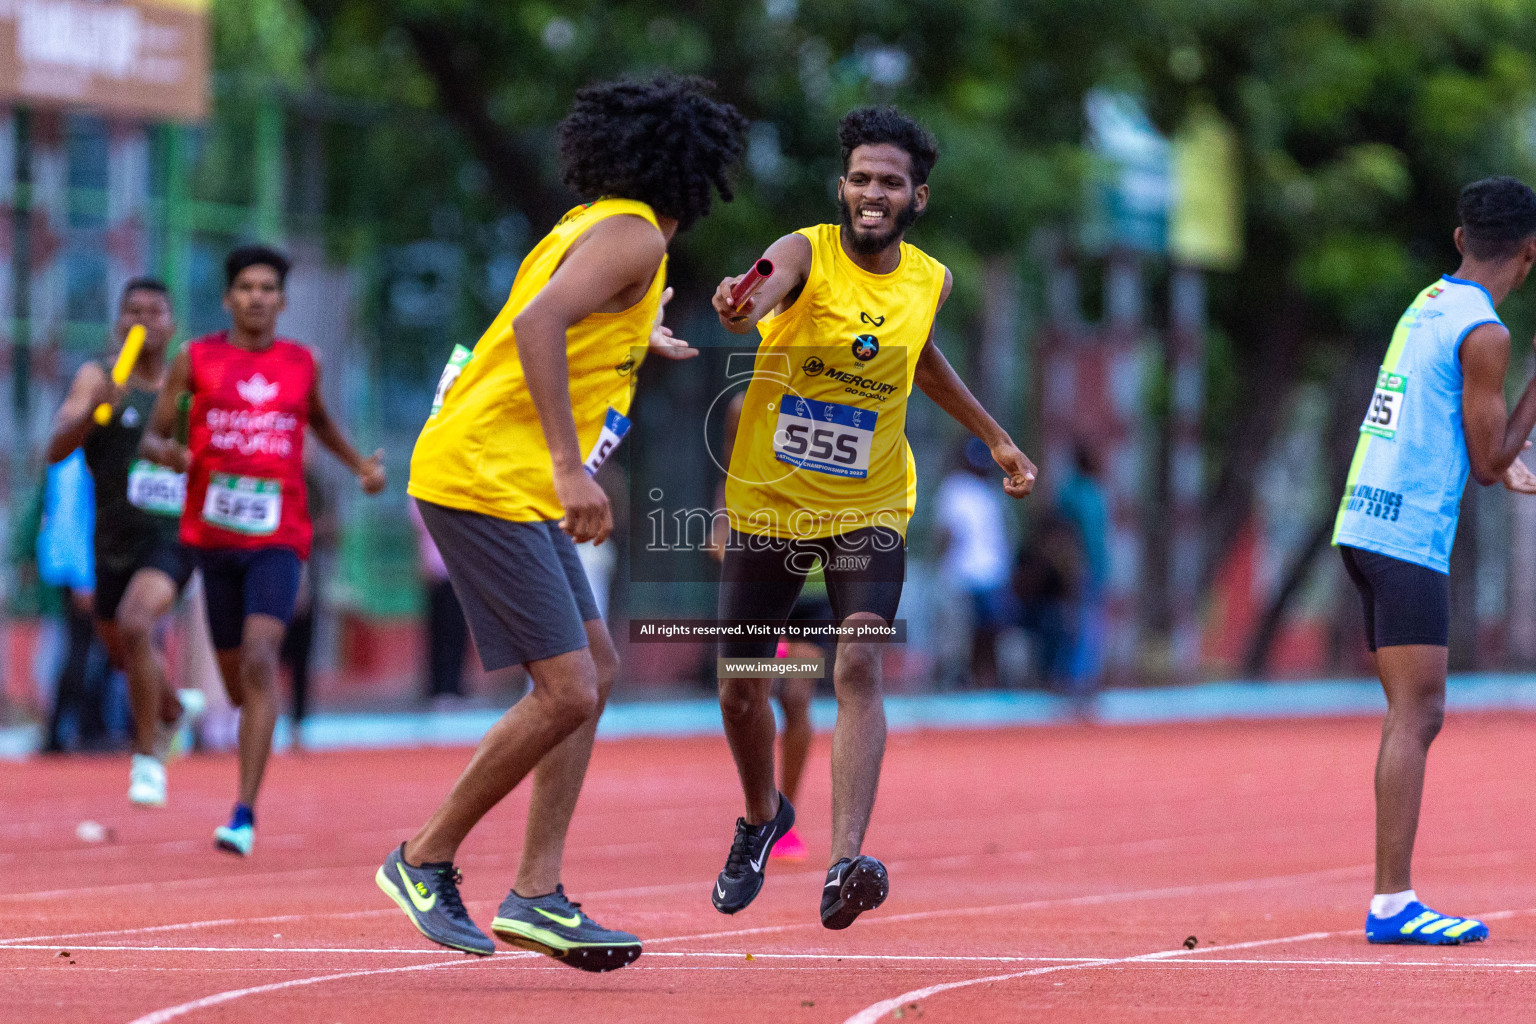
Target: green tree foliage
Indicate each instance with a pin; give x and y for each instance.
(1358, 121)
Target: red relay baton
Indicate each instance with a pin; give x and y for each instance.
(760, 272)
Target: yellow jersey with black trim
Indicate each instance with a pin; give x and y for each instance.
(821, 448)
(483, 449)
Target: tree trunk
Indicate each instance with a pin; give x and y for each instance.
(1269, 379)
(1464, 562)
(515, 174)
(1340, 436)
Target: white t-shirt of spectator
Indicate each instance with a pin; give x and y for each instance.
(970, 510)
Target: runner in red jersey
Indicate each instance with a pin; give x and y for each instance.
(246, 518)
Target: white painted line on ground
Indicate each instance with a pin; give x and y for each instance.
(235, 949)
(1100, 899)
(867, 1016)
(218, 998)
(872, 1014)
(193, 925)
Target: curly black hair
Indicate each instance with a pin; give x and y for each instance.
(663, 142)
(1496, 214)
(871, 126)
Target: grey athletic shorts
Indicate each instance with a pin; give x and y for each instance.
(522, 586)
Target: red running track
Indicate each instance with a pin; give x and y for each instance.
(1034, 872)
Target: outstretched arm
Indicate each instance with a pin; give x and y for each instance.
(615, 259)
(73, 423)
(938, 380)
(791, 259)
(369, 471)
(159, 442)
(1494, 439)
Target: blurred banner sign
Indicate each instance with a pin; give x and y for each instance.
(1207, 229)
(1129, 186)
(142, 57)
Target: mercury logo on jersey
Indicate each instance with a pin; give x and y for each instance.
(863, 387)
(812, 367)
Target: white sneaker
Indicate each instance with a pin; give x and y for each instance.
(146, 781)
(235, 840)
(172, 739)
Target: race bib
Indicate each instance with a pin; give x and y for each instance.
(156, 489)
(456, 363)
(1386, 405)
(615, 427)
(824, 436)
(244, 504)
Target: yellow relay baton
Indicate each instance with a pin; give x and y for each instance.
(122, 368)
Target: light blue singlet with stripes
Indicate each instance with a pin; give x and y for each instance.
(1410, 467)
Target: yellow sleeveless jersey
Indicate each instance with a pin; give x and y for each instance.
(483, 449)
(821, 448)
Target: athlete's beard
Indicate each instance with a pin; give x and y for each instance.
(867, 244)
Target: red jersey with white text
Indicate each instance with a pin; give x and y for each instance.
(245, 486)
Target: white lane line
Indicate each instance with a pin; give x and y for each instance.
(867, 1016)
(1468, 965)
(839, 957)
(827, 957)
(236, 949)
(181, 1009)
(1125, 896)
(193, 925)
(179, 883)
(872, 1014)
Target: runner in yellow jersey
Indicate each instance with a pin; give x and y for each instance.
(502, 477)
(821, 473)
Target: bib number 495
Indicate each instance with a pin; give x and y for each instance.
(1386, 409)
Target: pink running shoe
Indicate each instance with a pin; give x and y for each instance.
(791, 847)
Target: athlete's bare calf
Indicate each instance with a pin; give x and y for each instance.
(131, 646)
(858, 741)
(1413, 677)
(549, 733)
(250, 679)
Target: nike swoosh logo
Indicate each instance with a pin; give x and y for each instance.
(422, 905)
(720, 890)
(569, 922)
(838, 881)
(757, 865)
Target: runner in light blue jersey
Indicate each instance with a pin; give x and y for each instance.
(1437, 415)
(1411, 463)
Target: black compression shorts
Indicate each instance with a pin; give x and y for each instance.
(761, 577)
(167, 556)
(1404, 603)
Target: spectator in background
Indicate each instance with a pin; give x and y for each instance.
(297, 652)
(1083, 503)
(66, 559)
(974, 546)
(1047, 580)
(447, 632)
